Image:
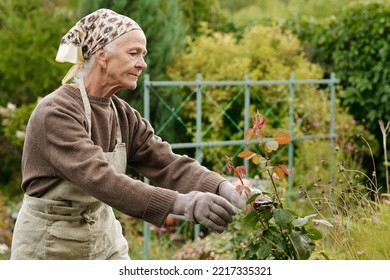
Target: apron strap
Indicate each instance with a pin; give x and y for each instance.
(87, 106)
(88, 112)
(118, 127)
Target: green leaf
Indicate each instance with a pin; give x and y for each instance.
(251, 250)
(282, 217)
(302, 244)
(293, 213)
(281, 246)
(314, 234)
(300, 222)
(249, 221)
(264, 250)
(252, 198)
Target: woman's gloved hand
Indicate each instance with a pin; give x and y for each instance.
(228, 190)
(207, 209)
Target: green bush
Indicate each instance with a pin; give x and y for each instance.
(30, 33)
(264, 53)
(354, 43)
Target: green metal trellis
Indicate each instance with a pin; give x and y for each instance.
(246, 85)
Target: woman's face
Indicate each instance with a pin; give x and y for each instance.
(126, 61)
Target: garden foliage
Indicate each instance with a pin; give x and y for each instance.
(355, 44)
(274, 231)
(30, 33)
(358, 53)
(263, 53)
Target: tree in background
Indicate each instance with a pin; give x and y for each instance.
(198, 12)
(253, 12)
(30, 33)
(355, 43)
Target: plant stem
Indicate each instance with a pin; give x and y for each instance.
(385, 131)
(276, 190)
(373, 161)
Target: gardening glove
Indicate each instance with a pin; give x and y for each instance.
(207, 209)
(228, 190)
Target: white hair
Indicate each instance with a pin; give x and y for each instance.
(86, 69)
(109, 48)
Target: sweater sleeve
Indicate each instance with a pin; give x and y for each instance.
(74, 157)
(155, 159)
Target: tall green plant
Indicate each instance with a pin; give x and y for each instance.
(355, 43)
(273, 230)
(30, 33)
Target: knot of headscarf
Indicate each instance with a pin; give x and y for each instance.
(89, 34)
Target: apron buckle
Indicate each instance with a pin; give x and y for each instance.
(87, 218)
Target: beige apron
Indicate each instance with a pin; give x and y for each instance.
(67, 222)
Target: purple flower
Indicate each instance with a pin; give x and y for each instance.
(375, 218)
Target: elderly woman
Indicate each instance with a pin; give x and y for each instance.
(80, 140)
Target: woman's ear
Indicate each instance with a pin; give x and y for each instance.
(101, 57)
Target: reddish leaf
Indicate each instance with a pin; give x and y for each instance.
(240, 189)
(246, 154)
(259, 136)
(228, 168)
(240, 171)
(259, 121)
(283, 138)
(248, 135)
(285, 169)
(279, 171)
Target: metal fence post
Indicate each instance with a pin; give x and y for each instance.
(247, 113)
(291, 130)
(332, 119)
(332, 107)
(247, 83)
(198, 132)
(146, 226)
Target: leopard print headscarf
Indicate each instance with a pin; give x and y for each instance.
(89, 34)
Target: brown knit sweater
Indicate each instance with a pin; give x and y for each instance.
(57, 147)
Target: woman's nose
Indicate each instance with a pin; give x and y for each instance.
(141, 64)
